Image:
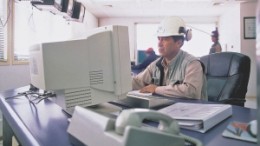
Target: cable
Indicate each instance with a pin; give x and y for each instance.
(8, 15)
(191, 140)
(33, 96)
(199, 30)
(30, 22)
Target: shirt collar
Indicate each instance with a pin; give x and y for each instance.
(171, 61)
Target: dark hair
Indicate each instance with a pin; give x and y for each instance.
(177, 38)
(215, 33)
(181, 30)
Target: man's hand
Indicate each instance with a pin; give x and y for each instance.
(149, 89)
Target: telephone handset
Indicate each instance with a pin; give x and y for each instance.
(135, 117)
(94, 129)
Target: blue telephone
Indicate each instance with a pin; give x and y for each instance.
(94, 129)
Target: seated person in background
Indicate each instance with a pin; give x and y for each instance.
(151, 56)
(176, 73)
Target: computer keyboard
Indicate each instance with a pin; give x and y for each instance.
(144, 100)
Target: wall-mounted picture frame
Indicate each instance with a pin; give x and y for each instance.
(249, 27)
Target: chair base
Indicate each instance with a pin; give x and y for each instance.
(238, 102)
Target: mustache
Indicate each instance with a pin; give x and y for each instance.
(161, 48)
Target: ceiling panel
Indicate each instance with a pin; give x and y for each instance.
(154, 8)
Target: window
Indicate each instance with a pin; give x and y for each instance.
(146, 37)
(198, 46)
(4, 17)
(200, 43)
(34, 26)
(22, 32)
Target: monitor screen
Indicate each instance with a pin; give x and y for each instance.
(58, 4)
(81, 13)
(141, 55)
(47, 5)
(41, 1)
(54, 6)
(64, 6)
(70, 7)
(87, 71)
(76, 12)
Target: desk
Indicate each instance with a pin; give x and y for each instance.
(45, 124)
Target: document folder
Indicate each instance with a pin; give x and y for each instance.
(197, 116)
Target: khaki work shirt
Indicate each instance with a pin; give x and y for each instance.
(190, 88)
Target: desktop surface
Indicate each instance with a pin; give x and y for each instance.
(42, 124)
(46, 123)
(214, 136)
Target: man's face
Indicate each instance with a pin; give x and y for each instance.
(214, 39)
(168, 48)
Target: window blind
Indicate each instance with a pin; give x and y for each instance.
(2, 42)
(3, 28)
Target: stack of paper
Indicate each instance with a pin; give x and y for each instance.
(138, 93)
(197, 116)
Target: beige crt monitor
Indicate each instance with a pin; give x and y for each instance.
(86, 71)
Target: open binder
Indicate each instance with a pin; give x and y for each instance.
(197, 116)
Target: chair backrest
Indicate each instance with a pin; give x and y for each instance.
(227, 77)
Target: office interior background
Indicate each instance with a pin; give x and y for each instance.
(27, 25)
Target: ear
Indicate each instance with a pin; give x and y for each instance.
(179, 43)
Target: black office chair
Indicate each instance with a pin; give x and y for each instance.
(227, 77)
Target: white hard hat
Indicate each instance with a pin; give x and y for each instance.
(171, 26)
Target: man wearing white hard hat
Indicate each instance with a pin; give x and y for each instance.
(176, 73)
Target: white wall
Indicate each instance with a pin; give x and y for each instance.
(14, 76)
(229, 30)
(130, 22)
(232, 37)
(80, 29)
(248, 46)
